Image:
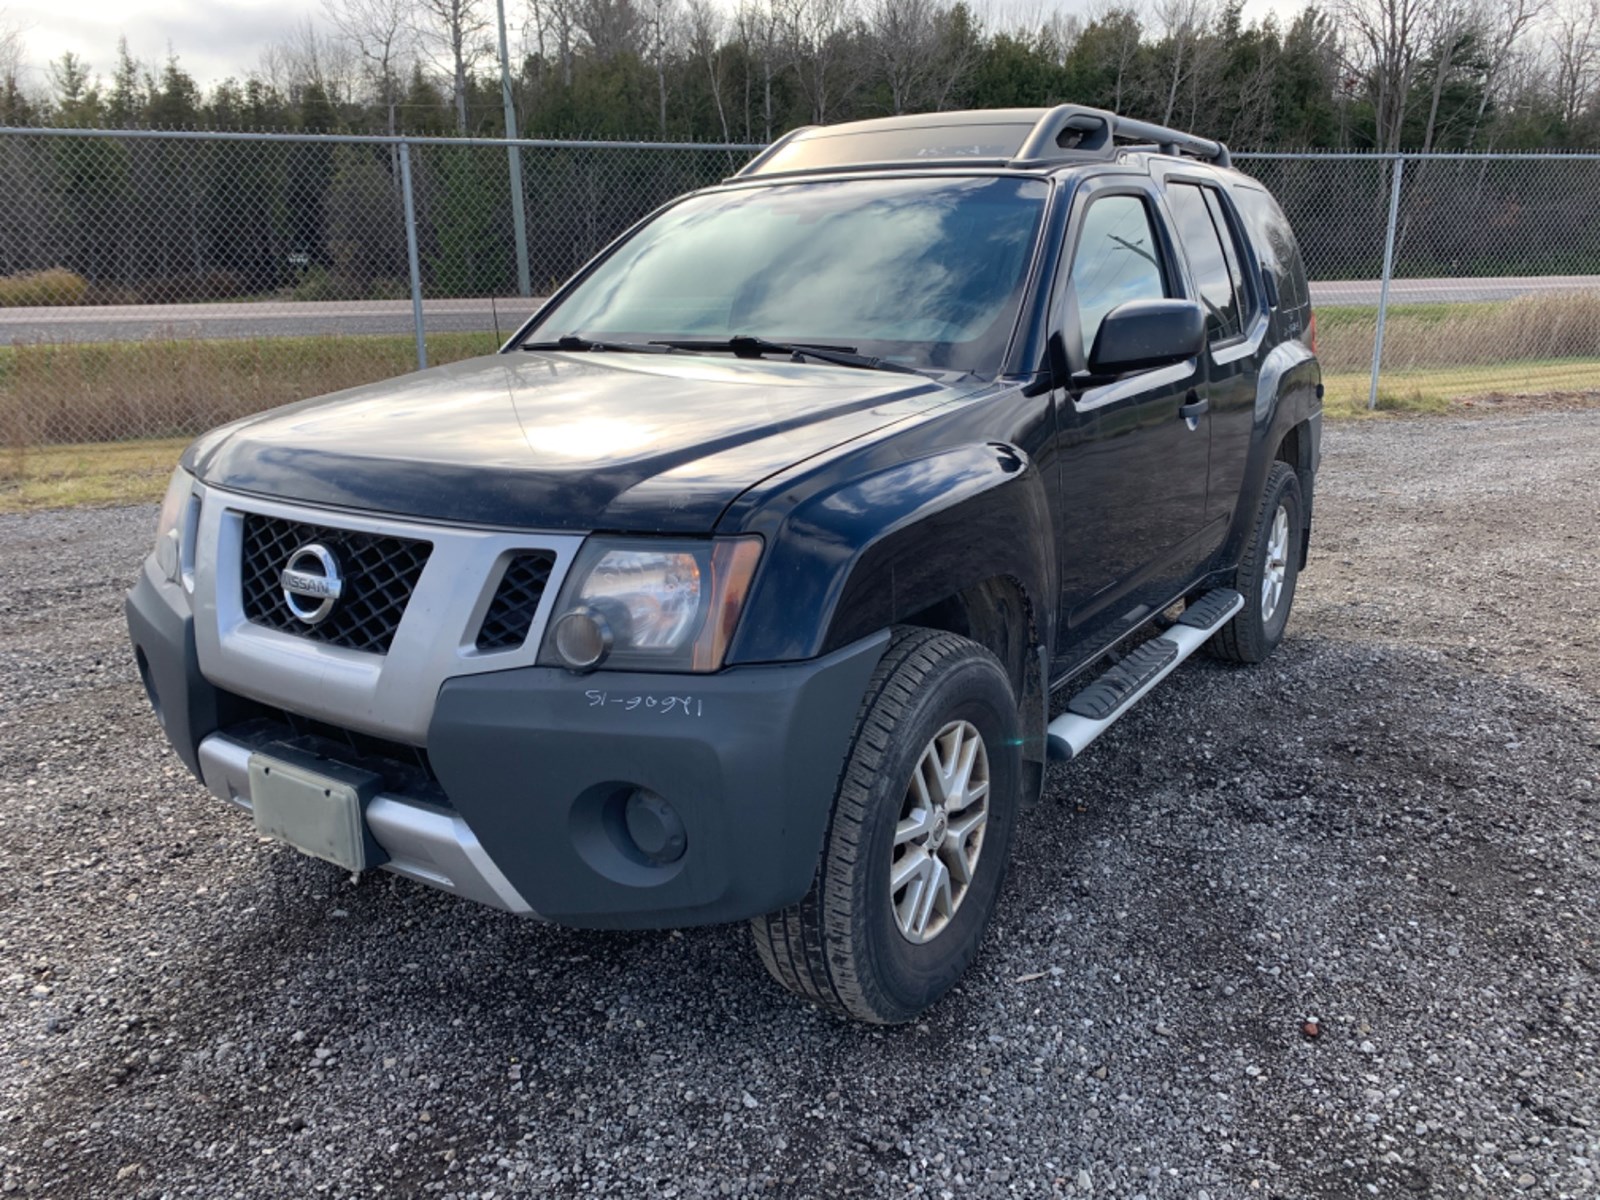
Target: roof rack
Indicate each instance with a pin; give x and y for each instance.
(1016, 138)
(1076, 131)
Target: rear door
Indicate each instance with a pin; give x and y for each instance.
(1224, 274)
(1133, 470)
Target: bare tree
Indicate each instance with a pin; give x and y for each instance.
(661, 25)
(555, 29)
(818, 35)
(1386, 40)
(1506, 23)
(1577, 58)
(1059, 33)
(380, 33)
(1122, 20)
(1183, 24)
(905, 46)
(457, 32)
(306, 55)
(611, 27)
(759, 31)
(1450, 24)
(10, 51)
(707, 29)
(960, 47)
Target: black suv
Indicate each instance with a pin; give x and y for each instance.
(739, 583)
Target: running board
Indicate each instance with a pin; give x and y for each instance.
(1096, 708)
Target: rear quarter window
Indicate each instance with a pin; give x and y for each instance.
(1274, 244)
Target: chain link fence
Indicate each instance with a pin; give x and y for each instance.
(155, 284)
(1447, 277)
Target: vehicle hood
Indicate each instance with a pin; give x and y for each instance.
(582, 441)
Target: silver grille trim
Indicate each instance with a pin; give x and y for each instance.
(390, 695)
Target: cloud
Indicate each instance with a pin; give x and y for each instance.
(212, 41)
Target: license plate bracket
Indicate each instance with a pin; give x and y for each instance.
(314, 804)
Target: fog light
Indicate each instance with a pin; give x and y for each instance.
(655, 827)
(582, 639)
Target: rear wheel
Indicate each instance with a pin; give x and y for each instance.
(917, 844)
(1267, 574)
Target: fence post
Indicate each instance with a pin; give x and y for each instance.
(1397, 172)
(411, 254)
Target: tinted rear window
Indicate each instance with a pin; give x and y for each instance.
(1274, 244)
(1202, 246)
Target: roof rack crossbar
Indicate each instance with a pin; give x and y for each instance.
(1098, 132)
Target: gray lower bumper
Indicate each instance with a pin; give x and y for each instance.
(535, 768)
(428, 844)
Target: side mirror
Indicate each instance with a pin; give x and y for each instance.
(1144, 334)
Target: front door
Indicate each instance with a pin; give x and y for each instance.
(1133, 467)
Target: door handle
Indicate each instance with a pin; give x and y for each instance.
(1195, 408)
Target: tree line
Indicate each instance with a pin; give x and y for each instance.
(1351, 75)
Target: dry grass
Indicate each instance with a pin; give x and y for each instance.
(1539, 328)
(65, 392)
(36, 288)
(73, 476)
(1435, 391)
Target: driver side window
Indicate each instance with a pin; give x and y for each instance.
(1118, 259)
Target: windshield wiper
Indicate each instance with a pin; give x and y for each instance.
(573, 342)
(754, 347)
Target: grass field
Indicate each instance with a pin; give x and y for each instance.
(96, 473)
(69, 392)
(1437, 389)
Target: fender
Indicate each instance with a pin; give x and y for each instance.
(1288, 392)
(884, 546)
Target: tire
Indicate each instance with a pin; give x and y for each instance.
(848, 945)
(1255, 631)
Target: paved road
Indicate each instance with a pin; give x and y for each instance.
(1454, 291)
(289, 319)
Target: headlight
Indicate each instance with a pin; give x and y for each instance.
(174, 526)
(651, 605)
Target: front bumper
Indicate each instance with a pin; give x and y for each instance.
(534, 766)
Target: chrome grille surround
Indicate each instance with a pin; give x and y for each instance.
(391, 694)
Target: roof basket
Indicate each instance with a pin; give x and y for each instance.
(1019, 138)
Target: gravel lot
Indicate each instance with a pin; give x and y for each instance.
(1390, 830)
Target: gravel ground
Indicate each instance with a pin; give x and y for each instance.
(1390, 830)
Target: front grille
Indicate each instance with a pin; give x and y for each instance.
(510, 616)
(379, 573)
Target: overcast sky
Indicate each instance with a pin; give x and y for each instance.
(213, 38)
(218, 38)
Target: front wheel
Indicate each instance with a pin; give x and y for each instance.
(1267, 574)
(917, 844)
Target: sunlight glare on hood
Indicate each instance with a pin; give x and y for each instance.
(591, 437)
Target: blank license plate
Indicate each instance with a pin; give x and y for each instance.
(314, 813)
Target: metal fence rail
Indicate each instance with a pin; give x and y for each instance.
(155, 283)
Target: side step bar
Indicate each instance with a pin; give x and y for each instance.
(1096, 708)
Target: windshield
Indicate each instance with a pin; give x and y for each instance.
(927, 272)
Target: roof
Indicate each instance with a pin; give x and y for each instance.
(1018, 138)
